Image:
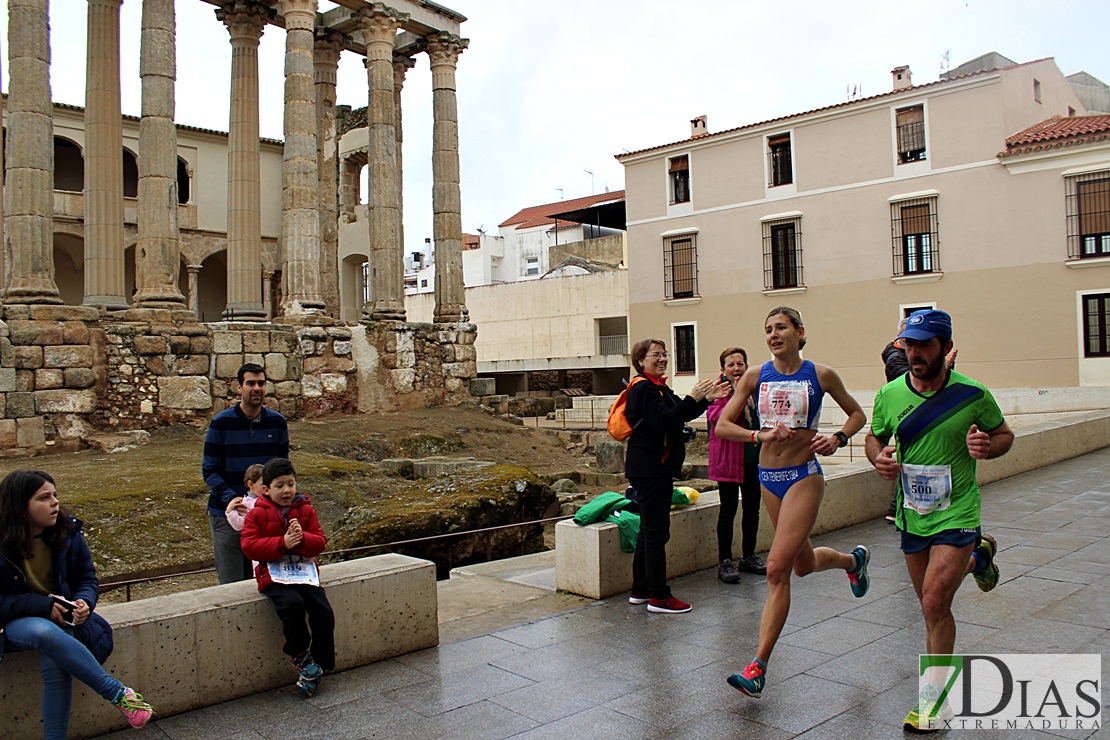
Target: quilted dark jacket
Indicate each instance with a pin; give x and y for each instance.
(76, 576)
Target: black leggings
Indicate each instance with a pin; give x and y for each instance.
(749, 523)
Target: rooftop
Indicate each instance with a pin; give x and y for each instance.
(527, 218)
(1058, 132)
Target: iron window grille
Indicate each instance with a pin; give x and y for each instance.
(910, 125)
(782, 254)
(780, 165)
(916, 241)
(1088, 209)
(684, 355)
(680, 266)
(679, 172)
(1096, 325)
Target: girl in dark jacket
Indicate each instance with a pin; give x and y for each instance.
(48, 590)
(656, 451)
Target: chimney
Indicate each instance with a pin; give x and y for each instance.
(699, 127)
(901, 77)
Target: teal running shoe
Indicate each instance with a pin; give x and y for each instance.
(858, 576)
(752, 680)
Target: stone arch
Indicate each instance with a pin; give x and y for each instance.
(212, 287)
(184, 180)
(130, 174)
(69, 267)
(69, 165)
(353, 286)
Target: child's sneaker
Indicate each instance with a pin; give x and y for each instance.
(311, 673)
(133, 708)
(752, 680)
(857, 576)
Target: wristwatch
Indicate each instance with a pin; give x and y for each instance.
(842, 438)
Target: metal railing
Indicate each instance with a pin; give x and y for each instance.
(127, 580)
(613, 345)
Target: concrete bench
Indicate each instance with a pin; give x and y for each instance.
(589, 560)
(204, 647)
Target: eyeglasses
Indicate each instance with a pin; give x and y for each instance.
(659, 355)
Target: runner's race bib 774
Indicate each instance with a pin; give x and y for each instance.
(785, 401)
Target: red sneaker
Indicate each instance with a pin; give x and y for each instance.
(669, 605)
(637, 599)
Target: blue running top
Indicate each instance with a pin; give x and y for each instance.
(789, 398)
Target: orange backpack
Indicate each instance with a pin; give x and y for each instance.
(619, 428)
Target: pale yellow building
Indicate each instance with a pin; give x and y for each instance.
(958, 194)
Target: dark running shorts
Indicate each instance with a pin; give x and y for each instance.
(912, 543)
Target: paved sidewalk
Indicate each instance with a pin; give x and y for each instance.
(844, 668)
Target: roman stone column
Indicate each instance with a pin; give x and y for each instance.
(194, 288)
(402, 63)
(300, 217)
(327, 48)
(158, 252)
(104, 241)
(3, 249)
(245, 21)
(30, 157)
(443, 51)
(267, 292)
(378, 25)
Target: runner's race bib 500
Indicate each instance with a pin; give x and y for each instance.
(926, 488)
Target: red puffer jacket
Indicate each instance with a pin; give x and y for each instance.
(263, 537)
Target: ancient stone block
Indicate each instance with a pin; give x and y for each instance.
(156, 365)
(227, 366)
(465, 352)
(283, 341)
(28, 358)
(21, 405)
(453, 385)
(7, 352)
(402, 466)
(467, 337)
(75, 332)
(308, 347)
(311, 386)
(7, 433)
(179, 344)
(483, 386)
(315, 365)
(35, 332)
(341, 348)
(256, 341)
(65, 313)
(68, 355)
(150, 345)
(315, 333)
(333, 383)
(287, 389)
(458, 369)
(342, 365)
(227, 342)
(17, 313)
(610, 456)
(339, 333)
(7, 379)
(220, 389)
(254, 358)
(25, 380)
(46, 378)
(277, 368)
(30, 432)
(79, 377)
(191, 365)
(406, 358)
(403, 379)
(65, 402)
(184, 392)
(146, 406)
(200, 345)
(447, 352)
(287, 407)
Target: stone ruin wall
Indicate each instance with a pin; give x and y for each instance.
(68, 374)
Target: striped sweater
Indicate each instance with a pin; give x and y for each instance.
(235, 442)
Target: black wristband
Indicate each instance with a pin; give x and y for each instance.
(842, 438)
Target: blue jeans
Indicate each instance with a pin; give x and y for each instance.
(60, 656)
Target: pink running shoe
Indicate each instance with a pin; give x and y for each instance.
(131, 706)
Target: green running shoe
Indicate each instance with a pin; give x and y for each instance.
(987, 579)
(927, 715)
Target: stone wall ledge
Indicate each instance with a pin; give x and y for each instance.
(589, 560)
(205, 647)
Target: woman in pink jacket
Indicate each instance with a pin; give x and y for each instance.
(733, 465)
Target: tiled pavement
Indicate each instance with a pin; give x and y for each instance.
(844, 668)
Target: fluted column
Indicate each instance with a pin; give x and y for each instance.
(3, 247)
(402, 63)
(300, 217)
(443, 51)
(30, 157)
(267, 292)
(327, 48)
(378, 25)
(158, 251)
(104, 240)
(245, 21)
(194, 288)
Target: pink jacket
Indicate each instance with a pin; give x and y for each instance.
(235, 519)
(726, 457)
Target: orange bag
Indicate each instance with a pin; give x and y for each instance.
(619, 428)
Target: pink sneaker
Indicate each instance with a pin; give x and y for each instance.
(132, 707)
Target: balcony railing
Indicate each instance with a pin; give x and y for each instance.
(614, 345)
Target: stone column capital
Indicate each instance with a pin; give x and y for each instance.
(245, 19)
(325, 54)
(191, 269)
(444, 48)
(299, 14)
(378, 25)
(107, 3)
(402, 63)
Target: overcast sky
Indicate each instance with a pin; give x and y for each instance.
(550, 90)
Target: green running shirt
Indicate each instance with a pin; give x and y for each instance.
(932, 430)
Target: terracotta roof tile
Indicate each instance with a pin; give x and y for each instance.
(1058, 132)
(532, 216)
(915, 88)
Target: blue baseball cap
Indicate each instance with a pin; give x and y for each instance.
(924, 325)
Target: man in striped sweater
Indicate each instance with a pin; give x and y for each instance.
(245, 434)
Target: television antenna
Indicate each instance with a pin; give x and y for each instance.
(855, 91)
(945, 62)
(560, 193)
(591, 174)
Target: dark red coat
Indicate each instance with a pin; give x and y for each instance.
(263, 537)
